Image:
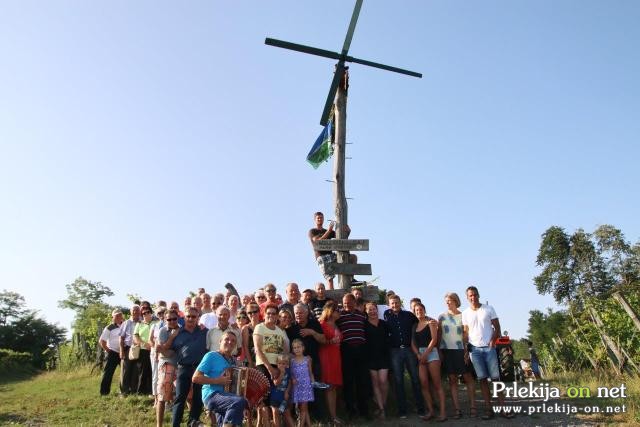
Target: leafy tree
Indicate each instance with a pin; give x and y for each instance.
(81, 293)
(23, 331)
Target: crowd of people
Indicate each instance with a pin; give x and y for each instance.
(311, 348)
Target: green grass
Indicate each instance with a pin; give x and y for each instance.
(70, 398)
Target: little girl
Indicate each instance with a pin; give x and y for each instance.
(302, 377)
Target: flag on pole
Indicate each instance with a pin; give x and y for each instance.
(323, 147)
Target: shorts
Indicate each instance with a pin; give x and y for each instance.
(265, 371)
(166, 377)
(485, 362)
(454, 363)
(322, 260)
(432, 356)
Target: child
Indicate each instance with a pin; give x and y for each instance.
(302, 377)
(280, 391)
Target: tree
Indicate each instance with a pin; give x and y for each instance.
(81, 293)
(24, 331)
(11, 306)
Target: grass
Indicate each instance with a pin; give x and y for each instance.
(72, 399)
(593, 381)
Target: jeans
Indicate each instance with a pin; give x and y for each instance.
(113, 360)
(401, 358)
(183, 384)
(485, 362)
(228, 407)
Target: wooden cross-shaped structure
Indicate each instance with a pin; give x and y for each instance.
(338, 97)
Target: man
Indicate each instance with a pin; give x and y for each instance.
(317, 304)
(401, 323)
(270, 293)
(190, 345)
(355, 375)
(197, 303)
(110, 343)
(215, 334)
(480, 329)
(129, 370)
(228, 407)
(293, 297)
(357, 292)
(325, 257)
(166, 365)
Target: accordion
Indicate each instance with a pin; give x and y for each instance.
(249, 383)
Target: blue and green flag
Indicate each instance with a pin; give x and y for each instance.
(323, 147)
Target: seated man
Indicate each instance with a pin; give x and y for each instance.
(228, 407)
(326, 257)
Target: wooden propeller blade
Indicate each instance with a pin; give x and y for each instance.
(382, 66)
(352, 27)
(301, 48)
(337, 76)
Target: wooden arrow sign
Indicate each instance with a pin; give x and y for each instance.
(341, 245)
(348, 269)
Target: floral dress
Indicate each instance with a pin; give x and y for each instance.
(302, 388)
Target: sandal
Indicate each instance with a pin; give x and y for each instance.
(473, 413)
(487, 416)
(458, 414)
(427, 417)
(441, 419)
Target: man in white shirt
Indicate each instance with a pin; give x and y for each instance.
(481, 328)
(110, 343)
(215, 334)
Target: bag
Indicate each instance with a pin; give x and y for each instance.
(134, 352)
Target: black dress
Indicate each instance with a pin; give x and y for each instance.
(377, 345)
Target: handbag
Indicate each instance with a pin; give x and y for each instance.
(134, 352)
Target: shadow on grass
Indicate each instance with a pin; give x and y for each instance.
(14, 376)
(10, 418)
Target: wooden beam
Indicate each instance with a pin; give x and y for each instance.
(348, 269)
(341, 245)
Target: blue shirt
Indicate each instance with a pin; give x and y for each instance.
(190, 347)
(400, 326)
(213, 365)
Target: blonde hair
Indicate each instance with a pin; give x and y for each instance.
(328, 310)
(454, 297)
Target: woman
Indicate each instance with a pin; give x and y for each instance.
(285, 322)
(234, 307)
(155, 332)
(377, 336)
(142, 337)
(455, 356)
(269, 342)
(424, 343)
(330, 360)
(253, 312)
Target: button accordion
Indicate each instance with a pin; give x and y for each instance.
(249, 383)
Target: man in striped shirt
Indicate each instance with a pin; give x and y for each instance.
(355, 377)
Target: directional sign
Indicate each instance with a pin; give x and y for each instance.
(348, 269)
(341, 245)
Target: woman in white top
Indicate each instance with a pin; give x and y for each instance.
(455, 356)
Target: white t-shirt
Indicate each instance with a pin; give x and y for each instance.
(209, 320)
(479, 324)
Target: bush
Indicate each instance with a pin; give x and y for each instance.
(12, 361)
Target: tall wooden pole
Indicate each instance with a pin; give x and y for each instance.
(339, 198)
(627, 307)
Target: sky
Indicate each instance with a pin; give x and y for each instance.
(157, 147)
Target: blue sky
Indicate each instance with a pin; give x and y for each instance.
(158, 146)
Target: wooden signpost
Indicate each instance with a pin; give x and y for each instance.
(338, 98)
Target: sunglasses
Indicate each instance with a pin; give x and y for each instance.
(190, 316)
(172, 319)
(262, 297)
(251, 313)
